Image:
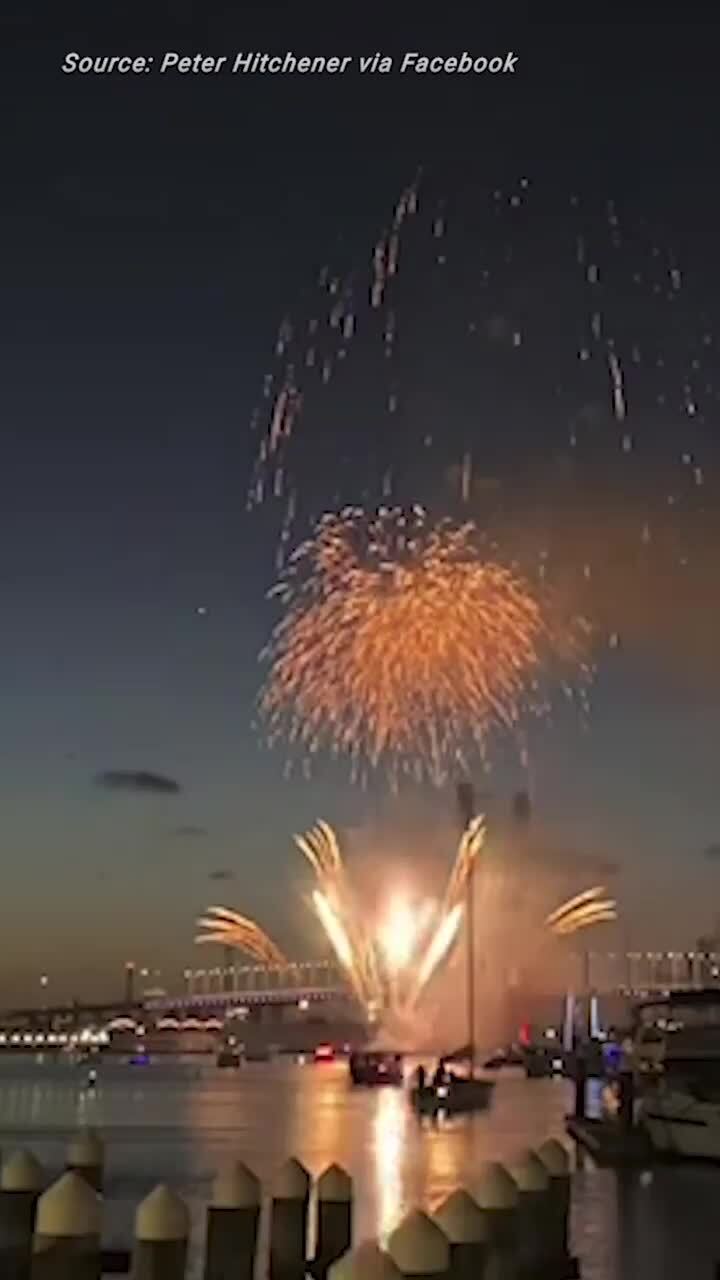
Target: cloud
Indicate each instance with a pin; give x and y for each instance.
(190, 832)
(712, 852)
(221, 874)
(137, 780)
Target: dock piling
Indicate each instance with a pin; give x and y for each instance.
(288, 1222)
(86, 1157)
(419, 1247)
(367, 1262)
(232, 1225)
(497, 1195)
(534, 1227)
(162, 1229)
(21, 1182)
(334, 1218)
(556, 1160)
(68, 1223)
(463, 1222)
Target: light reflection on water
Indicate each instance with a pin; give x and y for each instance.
(389, 1140)
(178, 1122)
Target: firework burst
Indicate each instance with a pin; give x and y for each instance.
(402, 647)
(389, 957)
(389, 961)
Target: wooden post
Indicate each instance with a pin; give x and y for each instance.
(367, 1262)
(20, 1185)
(162, 1228)
(418, 1247)
(86, 1157)
(534, 1224)
(288, 1222)
(557, 1162)
(334, 1218)
(498, 1196)
(68, 1223)
(232, 1225)
(463, 1222)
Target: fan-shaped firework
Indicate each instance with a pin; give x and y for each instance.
(221, 925)
(587, 909)
(390, 957)
(388, 961)
(402, 646)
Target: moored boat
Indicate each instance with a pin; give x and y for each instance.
(228, 1058)
(376, 1068)
(677, 1057)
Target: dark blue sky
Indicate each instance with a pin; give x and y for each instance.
(154, 234)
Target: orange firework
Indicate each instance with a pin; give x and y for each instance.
(401, 645)
(220, 924)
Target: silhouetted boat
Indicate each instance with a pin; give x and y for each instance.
(376, 1068)
(456, 1096)
(228, 1058)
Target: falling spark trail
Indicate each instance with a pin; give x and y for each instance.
(617, 386)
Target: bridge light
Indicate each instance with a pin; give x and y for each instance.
(303, 1005)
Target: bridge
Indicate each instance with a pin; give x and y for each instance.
(209, 997)
(304, 977)
(301, 984)
(646, 973)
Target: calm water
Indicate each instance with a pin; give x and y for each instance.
(177, 1122)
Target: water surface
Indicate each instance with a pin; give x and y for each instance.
(178, 1121)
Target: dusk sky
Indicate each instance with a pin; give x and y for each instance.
(156, 230)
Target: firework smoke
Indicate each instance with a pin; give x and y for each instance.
(402, 647)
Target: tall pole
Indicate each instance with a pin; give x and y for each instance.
(466, 806)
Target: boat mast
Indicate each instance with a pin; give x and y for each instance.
(466, 807)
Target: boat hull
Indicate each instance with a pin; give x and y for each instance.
(678, 1125)
(463, 1095)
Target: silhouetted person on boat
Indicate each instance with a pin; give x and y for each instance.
(441, 1076)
